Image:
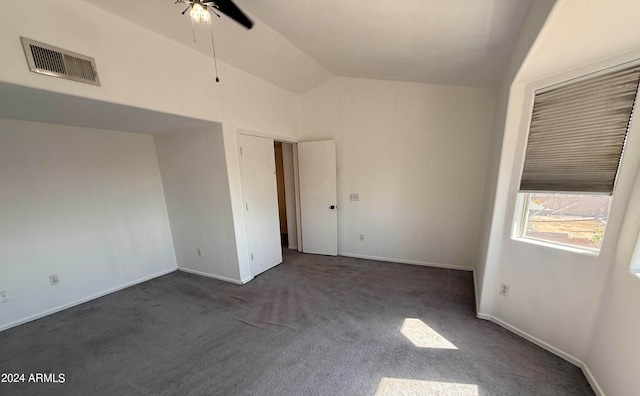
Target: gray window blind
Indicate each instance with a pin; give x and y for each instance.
(577, 133)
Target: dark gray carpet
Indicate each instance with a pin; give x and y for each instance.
(312, 326)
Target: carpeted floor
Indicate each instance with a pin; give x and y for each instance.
(313, 325)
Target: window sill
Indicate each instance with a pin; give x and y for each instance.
(558, 246)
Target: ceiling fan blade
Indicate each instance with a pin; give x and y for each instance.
(228, 8)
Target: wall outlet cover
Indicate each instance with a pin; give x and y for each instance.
(354, 197)
(3, 296)
(54, 279)
(504, 289)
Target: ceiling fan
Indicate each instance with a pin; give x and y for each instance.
(200, 11)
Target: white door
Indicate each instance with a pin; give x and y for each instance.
(318, 197)
(260, 196)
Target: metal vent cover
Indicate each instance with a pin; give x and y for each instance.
(57, 62)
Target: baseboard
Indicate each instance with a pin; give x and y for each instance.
(571, 359)
(533, 339)
(218, 277)
(84, 300)
(402, 261)
(592, 380)
(475, 291)
(293, 247)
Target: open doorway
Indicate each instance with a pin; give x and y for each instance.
(271, 170)
(285, 180)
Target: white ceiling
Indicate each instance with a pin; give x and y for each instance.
(299, 44)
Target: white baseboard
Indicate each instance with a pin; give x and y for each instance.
(84, 300)
(531, 338)
(592, 380)
(293, 247)
(550, 348)
(403, 261)
(475, 291)
(218, 277)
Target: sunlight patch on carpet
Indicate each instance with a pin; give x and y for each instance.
(424, 336)
(407, 387)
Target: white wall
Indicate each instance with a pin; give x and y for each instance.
(417, 155)
(556, 294)
(614, 354)
(534, 20)
(142, 69)
(194, 176)
(85, 204)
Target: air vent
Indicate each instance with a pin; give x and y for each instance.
(57, 62)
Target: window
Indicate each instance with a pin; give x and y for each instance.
(577, 135)
(568, 219)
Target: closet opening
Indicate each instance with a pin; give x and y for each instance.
(283, 154)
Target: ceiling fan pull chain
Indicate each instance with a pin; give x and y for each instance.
(213, 47)
(193, 31)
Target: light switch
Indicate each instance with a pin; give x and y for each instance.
(354, 197)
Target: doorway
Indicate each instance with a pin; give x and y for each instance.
(285, 182)
(276, 183)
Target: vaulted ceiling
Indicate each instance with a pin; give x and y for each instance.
(300, 44)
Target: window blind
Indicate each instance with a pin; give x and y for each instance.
(577, 133)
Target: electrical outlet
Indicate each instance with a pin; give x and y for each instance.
(199, 252)
(3, 296)
(504, 289)
(54, 279)
(362, 237)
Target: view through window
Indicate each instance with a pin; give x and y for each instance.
(570, 219)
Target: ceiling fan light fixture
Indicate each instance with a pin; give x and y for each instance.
(201, 10)
(197, 11)
(205, 16)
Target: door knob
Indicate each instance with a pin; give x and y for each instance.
(332, 207)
